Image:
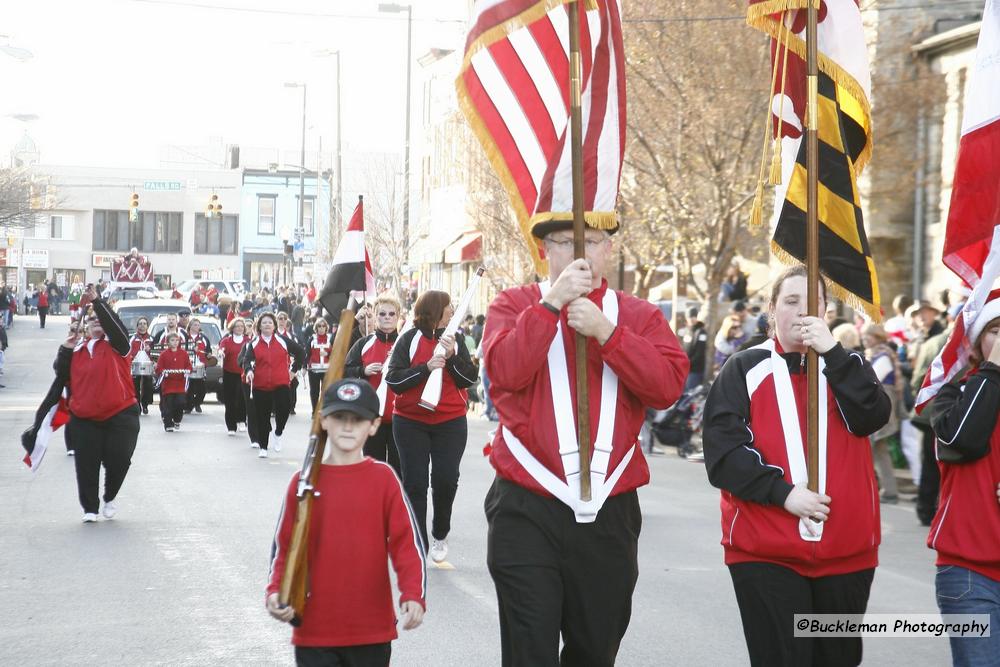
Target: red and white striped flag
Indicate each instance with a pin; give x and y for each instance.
(351, 273)
(514, 90)
(972, 237)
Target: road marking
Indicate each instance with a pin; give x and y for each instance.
(444, 565)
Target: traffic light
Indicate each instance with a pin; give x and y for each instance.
(133, 208)
(214, 207)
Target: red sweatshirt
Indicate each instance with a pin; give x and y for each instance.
(360, 518)
(643, 352)
(231, 346)
(966, 528)
(100, 381)
(173, 383)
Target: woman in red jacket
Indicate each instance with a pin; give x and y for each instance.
(431, 437)
(141, 341)
(270, 362)
(104, 415)
(318, 355)
(966, 529)
(43, 305)
(789, 550)
(232, 375)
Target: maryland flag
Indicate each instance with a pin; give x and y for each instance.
(845, 142)
(513, 87)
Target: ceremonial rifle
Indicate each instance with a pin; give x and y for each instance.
(294, 581)
(432, 388)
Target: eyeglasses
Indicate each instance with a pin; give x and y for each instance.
(567, 244)
(389, 314)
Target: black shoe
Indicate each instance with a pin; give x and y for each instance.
(187, 411)
(197, 409)
(145, 409)
(292, 411)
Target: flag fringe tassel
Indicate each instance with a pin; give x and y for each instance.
(834, 289)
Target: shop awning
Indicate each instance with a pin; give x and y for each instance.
(468, 248)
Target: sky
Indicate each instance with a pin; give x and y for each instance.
(112, 81)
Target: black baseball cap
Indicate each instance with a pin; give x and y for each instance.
(351, 395)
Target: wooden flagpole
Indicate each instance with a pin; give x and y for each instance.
(579, 246)
(812, 238)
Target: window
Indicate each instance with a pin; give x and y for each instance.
(265, 214)
(308, 216)
(156, 231)
(55, 227)
(214, 236)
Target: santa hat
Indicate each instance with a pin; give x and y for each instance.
(990, 312)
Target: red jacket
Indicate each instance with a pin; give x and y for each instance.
(100, 383)
(966, 528)
(642, 352)
(231, 349)
(173, 383)
(139, 342)
(746, 455)
(319, 353)
(200, 346)
(43, 299)
(408, 373)
(373, 349)
(271, 361)
(350, 598)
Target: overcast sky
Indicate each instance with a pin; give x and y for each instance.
(113, 80)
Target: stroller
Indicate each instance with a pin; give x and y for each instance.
(676, 425)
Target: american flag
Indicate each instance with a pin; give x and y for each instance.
(972, 237)
(514, 89)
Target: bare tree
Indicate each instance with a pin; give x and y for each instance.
(698, 100)
(22, 199)
(383, 220)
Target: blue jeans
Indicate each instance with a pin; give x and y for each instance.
(962, 591)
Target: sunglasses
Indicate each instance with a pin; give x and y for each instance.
(389, 314)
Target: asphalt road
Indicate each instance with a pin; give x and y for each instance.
(178, 577)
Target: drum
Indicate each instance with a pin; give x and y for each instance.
(198, 372)
(142, 368)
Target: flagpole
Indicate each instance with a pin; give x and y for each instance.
(576, 138)
(812, 238)
(364, 256)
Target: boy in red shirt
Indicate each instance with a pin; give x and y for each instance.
(360, 518)
(173, 385)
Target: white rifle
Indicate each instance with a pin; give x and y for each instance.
(432, 389)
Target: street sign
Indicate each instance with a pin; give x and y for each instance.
(162, 185)
(299, 245)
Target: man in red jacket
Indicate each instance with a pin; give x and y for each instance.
(561, 564)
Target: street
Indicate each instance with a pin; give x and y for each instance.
(178, 577)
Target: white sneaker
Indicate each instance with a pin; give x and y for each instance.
(439, 550)
(262, 454)
(241, 427)
(254, 445)
(232, 434)
(110, 509)
(90, 517)
(70, 452)
(276, 443)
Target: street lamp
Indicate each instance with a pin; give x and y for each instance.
(300, 233)
(393, 8)
(337, 217)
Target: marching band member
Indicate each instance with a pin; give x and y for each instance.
(199, 347)
(284, 329)
(436, 438)
(104, 415)
(270, 362)
(318, 355)
(789, 550)
(160, 340)
(141, 341)
(561, 564)
(966, 529)
(366, 360)
(172, 369)
(232, 375)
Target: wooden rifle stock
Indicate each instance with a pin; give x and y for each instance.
(295, 580)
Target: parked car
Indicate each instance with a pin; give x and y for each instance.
(130, 310)
(213, 331)
(234, 288)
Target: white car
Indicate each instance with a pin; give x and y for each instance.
(130, 310)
